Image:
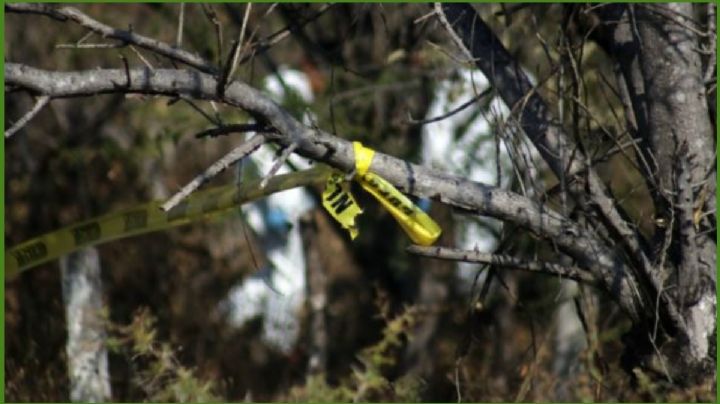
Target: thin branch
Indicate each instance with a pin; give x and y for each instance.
(212, 17)
(181, 21)
(278, 163)
(205, 115)
(235, 128)
(89, 46)
(142, 58)
(454, 111)
(216, 168)
(127, 37)
(232, 61)
(41, 102)
(444, 51)
(424, 17)
(618, 148)
(264, 44)
(372, 89)
(503, 261)
(240, 41)
(478, 42)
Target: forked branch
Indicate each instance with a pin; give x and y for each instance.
(587, 250)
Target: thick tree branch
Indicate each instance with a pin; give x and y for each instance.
(678, 116)
(421, 181)
(663, 72)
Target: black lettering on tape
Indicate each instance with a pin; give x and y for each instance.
(335, 193)
(342, 203)
(386, 194)
(136, 219)
(34, 252)
(86, 233)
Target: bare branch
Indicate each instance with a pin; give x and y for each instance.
(480, 44)
(39, 105)
(89, 46)
(142, 58)
(424, 17)
(205, 115)
(216, 168)
(235, 128)
(503, 261)
(460, 108)
(318, 145)
(264, 44)
(278, 163)
(181, 21)
(212, 17)
(240, 41)
(127, 37)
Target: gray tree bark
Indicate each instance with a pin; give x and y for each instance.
(86, 350)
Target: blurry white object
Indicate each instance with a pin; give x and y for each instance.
(277, 291)
(471, 153)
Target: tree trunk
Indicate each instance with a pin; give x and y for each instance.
(662, 71)
(86, 351)
(669, 284)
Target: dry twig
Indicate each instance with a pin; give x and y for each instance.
(42, 101)
(216, 168)
(503, 261)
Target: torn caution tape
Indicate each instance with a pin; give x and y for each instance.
(340, 203)
(147, 218)
(338, 200)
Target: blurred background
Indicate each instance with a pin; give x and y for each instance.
(223, 310)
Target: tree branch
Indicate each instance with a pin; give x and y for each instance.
(278, 163)
(318, 145)
(234, 128)
(39, 105)
(216, 168)
(480, 44)
(503, 261)
(127, 37)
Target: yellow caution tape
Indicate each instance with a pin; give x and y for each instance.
(147, 218)
(339, 202)
(417, 224)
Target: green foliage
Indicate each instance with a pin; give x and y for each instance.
(371, 381)
(317, 390)
(157, 371)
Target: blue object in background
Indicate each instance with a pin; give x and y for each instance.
(424, 204)
(276, 220)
